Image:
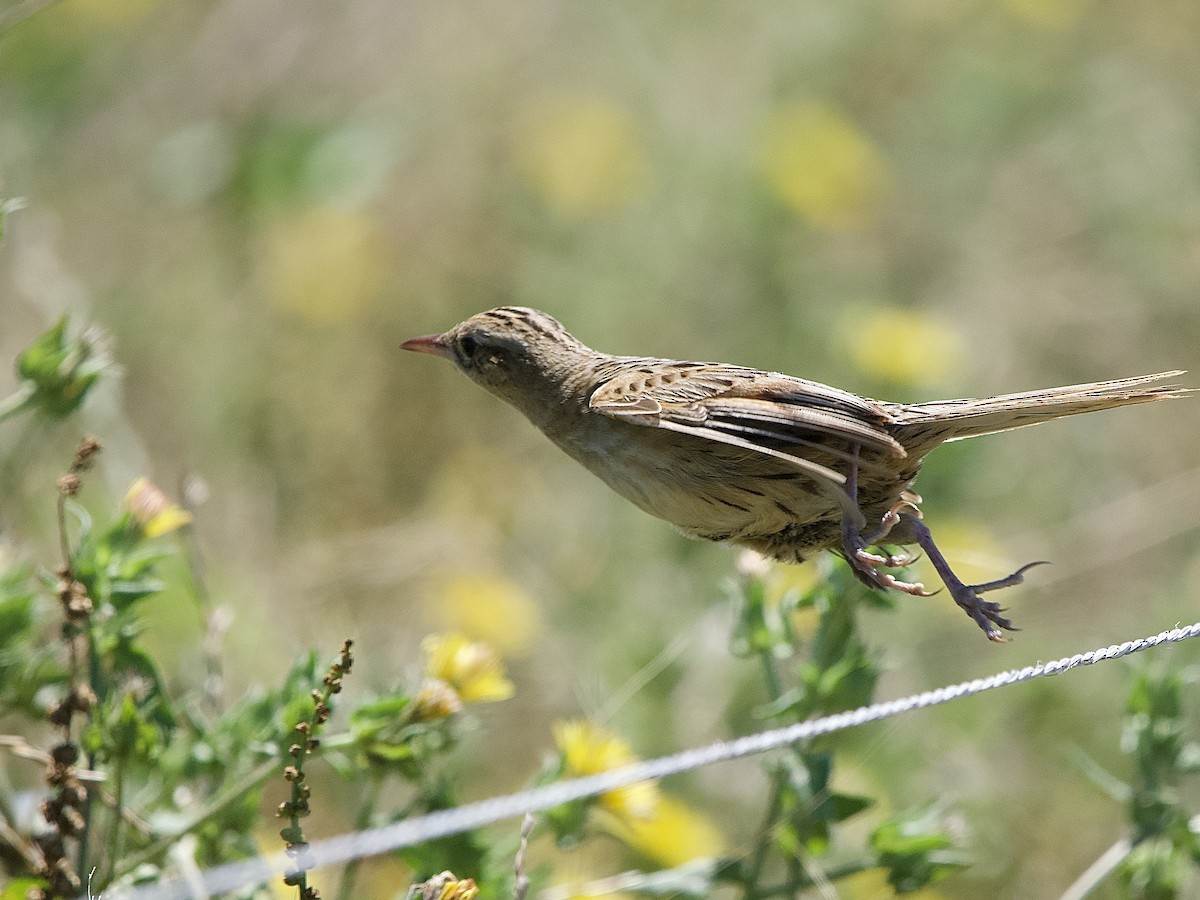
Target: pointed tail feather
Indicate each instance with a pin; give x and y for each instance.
(954, 420)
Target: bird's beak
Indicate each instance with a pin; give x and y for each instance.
(430, 343)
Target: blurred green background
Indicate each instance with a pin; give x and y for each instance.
(259, 200)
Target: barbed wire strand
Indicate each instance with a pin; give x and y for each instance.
(442, 823)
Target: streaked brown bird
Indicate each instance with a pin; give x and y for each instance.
(783, 465)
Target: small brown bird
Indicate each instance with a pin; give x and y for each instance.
(785, 466)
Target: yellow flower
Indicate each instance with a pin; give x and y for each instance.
(588, 749)
(640, 815)
(491, 608)
(325, 265)
(471, 668)
(673, 834)
(823, 167)
(904, 346)
(580, 155)
(459, 890)
(445, 886)
(152, 510)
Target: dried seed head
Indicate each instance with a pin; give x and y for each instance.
(65, 754)
(87, 449)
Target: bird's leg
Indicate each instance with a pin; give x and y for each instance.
(864, 564)
(985, 613)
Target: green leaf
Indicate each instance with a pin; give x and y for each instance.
(844, 806)
(1153, 870)
(915, 850)
(61, 369)
(19, 888)
(383, 712)
(17, 594)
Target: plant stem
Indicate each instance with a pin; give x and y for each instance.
(763, 844)
(362, 821)
(770, 674)
(100, 692)
(116, 833)
(1098, 871)
(17, 401)
(211, 617)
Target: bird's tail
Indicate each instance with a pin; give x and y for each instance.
(953, 420)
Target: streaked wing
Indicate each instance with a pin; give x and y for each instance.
(760, 411)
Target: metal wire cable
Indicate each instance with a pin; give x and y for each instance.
(418, 830)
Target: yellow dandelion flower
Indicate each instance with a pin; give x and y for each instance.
(460, 890)
(673, 834)
(446, 886)
(580, 155)
(588, 749)
(491, 608)
(152, 510)
(904, 346)
(325, 265)
(471, 668)
(823, 167)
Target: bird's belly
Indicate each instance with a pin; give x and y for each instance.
(710, 492)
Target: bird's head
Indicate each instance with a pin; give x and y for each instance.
(522, 355)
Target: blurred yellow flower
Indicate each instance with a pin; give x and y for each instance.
(588, 749)
(152, 510)
(1050, 15)
(640, 815)
(491, 608)
(580, 155)
(324, 265)
(471, 668)
(672, 834)
(445, 886)
(904, 346)
(459, 890)
(823, 166)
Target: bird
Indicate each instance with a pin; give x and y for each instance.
(782, 465)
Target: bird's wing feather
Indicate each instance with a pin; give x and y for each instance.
(745, 408)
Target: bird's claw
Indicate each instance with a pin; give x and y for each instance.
(889, 561)
(867, 566)
(986, 613)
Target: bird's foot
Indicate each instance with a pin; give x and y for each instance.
(868, 566)
(987, 614)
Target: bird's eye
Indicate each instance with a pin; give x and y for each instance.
(468, 345)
